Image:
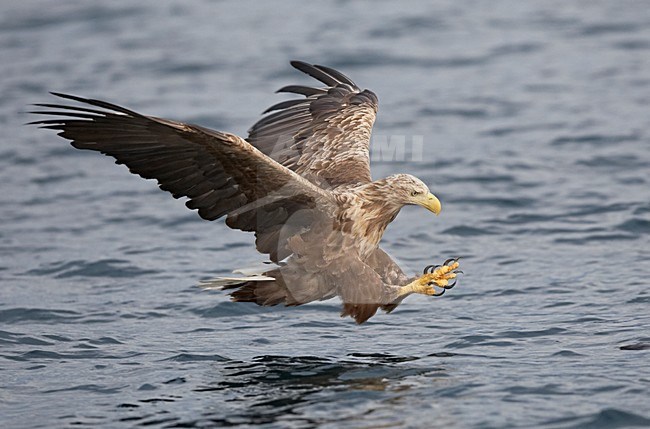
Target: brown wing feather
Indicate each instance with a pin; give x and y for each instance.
(220, 173)
(364, 287)
(324, 137)
(390, 273)
(380, 275)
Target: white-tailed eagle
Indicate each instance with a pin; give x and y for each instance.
(300, 181)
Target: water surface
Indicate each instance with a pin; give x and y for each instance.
(534, 122)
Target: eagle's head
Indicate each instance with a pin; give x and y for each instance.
(411, 190)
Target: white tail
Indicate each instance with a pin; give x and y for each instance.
(221, 282)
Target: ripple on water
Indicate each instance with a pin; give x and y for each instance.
(468, 231)
(40, 315)
(190, 357)
(48, 355)
(116, 268)
(613, 161)
(607, 418)
(15, 338)
(595, 139)
(595, 238)
(635, 225)
(532, 333)
(639, 344)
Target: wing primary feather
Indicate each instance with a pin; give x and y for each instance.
(73, 108)
(302, 90)
(336, 75)
(67, 114)
(285, 105)
(98, 103)
(276, 116)
(315, 73)
(296, 120)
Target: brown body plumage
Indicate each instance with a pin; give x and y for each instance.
(300, 181)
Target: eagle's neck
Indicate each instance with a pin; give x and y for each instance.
(375, 210)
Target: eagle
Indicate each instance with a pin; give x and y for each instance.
(300, 182)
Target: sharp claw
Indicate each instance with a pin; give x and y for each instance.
(429, 269)
(450, 286)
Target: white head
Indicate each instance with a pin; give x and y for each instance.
(407, 189)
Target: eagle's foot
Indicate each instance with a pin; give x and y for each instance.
(441, 274)
(435, 276)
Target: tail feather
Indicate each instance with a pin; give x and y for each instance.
(261, 293)
(267, 289)
(222, 283)
(359, 312)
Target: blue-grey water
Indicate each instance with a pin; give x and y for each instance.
(535, 123)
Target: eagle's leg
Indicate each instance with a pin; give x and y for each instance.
(438, 275)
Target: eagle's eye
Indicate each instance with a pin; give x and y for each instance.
(415, 193)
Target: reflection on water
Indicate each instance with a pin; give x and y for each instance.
(290, 389)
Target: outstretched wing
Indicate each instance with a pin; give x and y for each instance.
(220, 173)
(324, 137)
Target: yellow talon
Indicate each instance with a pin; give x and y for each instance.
(426, 283)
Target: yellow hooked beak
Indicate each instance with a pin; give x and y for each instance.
(431, 203)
